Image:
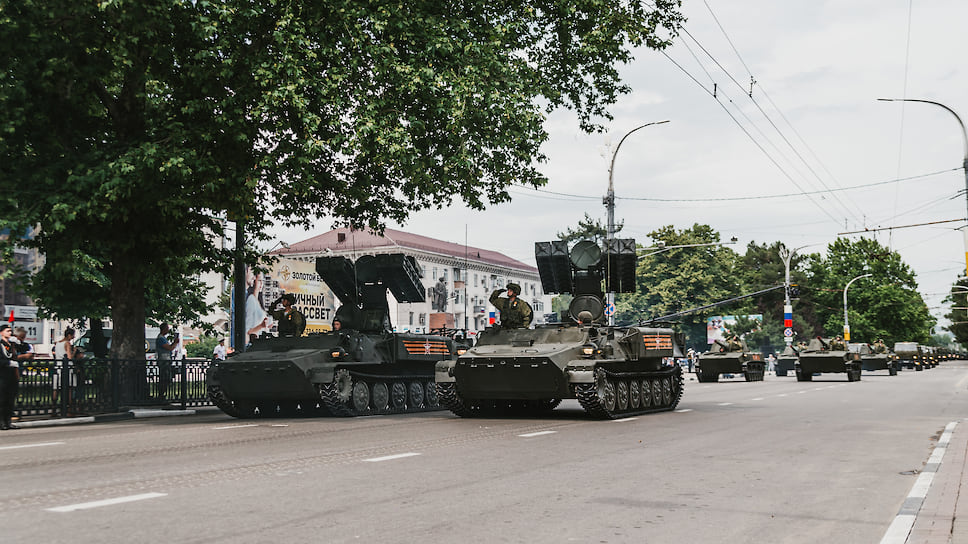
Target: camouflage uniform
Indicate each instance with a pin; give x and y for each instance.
(515, 314)
(837, 344)
(879, 346)
(735, 344)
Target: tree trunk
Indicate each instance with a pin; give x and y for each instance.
(127, 310)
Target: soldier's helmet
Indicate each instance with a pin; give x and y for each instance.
(515, 287)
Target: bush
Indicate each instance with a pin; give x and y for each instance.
(202, 348)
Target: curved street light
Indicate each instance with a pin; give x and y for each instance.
(846, 325)
(609, 202)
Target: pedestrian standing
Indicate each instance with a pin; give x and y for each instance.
(66, 355)
(25, 352)
(219, 352)
(8, 380)
(163, 348)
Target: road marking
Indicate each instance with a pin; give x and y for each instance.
(539, 433)
(624, 419)
(38, 445)
(238, 426)
(900, 528)
(725, 404)
(391, 457)
(801, 392)
(782, 395)
(758, 398)
(684, 410)
(278, 425)
(106, 502)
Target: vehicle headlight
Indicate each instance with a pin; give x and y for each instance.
(337, 354)
(461, 351)
(588, 350)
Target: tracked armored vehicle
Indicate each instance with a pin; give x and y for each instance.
(721, 359)
(818, 357)
(787, 361)
(909, 355)
(611, 371)
(871, 361)
(362, 369)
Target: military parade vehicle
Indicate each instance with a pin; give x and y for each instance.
(908, 355)
(613, 371)
(820, 357)
(724, 358)
(363, 368)
(871, 361)
(787, 361)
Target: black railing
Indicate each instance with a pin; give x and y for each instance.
(49, 387)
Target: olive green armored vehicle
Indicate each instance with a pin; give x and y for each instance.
(723, 359)
(872, 359)
(612, 371)
(787, 361)
(909, 355)
(819, 357)
(362, 369)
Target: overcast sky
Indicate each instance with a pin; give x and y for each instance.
(819, 67)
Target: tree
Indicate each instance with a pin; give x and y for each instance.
(674, 280)
(588, 229)
(130, 130)
(886, 305)
(958, 316)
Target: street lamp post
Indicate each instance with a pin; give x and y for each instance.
(846, 325)
(609, 202)
(964, 162)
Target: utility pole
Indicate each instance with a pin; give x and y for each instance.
(846, 325)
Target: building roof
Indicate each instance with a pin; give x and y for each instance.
(359, 240)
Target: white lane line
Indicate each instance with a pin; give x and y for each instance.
(801, 392)
(725, 404)
(683, 410)
(278, 425)
(391, 457)
(758, 398)
(38, 445)
(106, 502)
(539, 433)
(782, 395)
(624, 419)
(238, 426)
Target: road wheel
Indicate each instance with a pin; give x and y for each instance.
(657, 392)
(361, 397)
(622, 394)
(431, 392)
(416, 397)
(398, 395)
(666, 391)
(645, 390)
(635, 396)
(380, 397)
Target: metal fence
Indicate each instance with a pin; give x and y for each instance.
(50, 387)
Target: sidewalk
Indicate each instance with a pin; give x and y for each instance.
(943, 514)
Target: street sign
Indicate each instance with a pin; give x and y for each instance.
(610, 309)
(788, 332)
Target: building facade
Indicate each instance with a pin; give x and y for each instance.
(461, 277)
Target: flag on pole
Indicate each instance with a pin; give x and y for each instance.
(11, 316)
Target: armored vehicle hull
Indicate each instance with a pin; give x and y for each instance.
(819, 358)
(879, 361)
(612, 372)
(721, 361)
(786, 362)
(909, 355)
(345, 373)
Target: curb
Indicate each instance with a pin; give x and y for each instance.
(103, 418)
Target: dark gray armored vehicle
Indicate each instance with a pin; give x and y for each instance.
(721, 359)
(364, 368)
(787, 361)
(819, 357)
(612, 371)
(871, 361)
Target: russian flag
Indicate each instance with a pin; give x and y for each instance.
(491, 318)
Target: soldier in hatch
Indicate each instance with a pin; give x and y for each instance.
(515, 313)
(879, 346)
(291, 321)
(735, 344)
(838, 344)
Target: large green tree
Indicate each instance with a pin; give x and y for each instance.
(678, 279)
(886, 305)
(958, 316)
(129, 128)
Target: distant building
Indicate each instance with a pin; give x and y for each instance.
(469, 274)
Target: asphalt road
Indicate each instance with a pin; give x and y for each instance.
(774, 461)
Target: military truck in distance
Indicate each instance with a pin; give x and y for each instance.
(362, 369)
(818, 357)
(871, 361)
(787, 361)
(721, 360)
(908, 355)
(611, 371)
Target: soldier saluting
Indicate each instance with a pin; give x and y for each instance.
(515, 313)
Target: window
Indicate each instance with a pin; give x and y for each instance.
(411, 318)
(446, 273)
(435, 274)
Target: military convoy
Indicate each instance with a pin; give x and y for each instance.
(909, 355)
(724, 358)
(820, 356)
(787, 361)
(872, 359)
(364, 368)
(612, 371)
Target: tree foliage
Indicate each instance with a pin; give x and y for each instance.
(130, 130)
(588, 229)
(885, 305)
(958, 316)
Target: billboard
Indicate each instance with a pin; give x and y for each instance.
(719, 326)
(313, 298)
